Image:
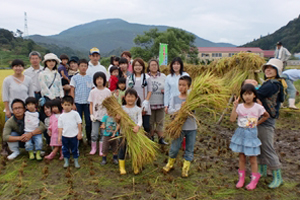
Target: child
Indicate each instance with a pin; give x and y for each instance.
(81, 85)
(94, 64)
(127, 56)
(123, 64)
(111, 129)
(121, 88)
(113, 80)
(56, 110)
(31, 123)
(189, 129)
(96, 96)
(69, 129)
(131, 105)
(140, 81)
(47, 111)
(245, 140)
(73, 69)
(114, 61)
(63, 71)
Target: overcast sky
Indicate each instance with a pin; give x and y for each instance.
(233, 21)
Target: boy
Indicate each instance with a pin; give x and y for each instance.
(111, 129)
(63, 71)
(94, 64)
(73, 63)
(81, 85)
(69, 130)
(31, 122)
(189, 129)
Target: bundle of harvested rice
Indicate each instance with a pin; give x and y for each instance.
(207, 94)
(192, 70)
(141, 149)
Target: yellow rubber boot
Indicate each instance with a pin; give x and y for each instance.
(136, 170)
(31, 155)
(169, 165)
(122, 167)
(38, 156)
(186, 168)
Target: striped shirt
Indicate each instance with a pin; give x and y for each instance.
(83, 86)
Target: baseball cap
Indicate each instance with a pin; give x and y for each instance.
(94, 50)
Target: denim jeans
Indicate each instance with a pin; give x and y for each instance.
(122, 149)
(20, 144)
(146, 123)
(291, 90)
(36, 141)
(85, 110)
(190, 138)
(70, 144)
(95, 131)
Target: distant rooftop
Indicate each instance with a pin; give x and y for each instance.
(230, 49)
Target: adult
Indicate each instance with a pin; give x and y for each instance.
(157, 100)
(271, 94)
(171, 83)
(94, 64)
(282, 54)
(49, 78)
(15, 86)
(13, 132)
(33, 71)
(127, 55)
(290, 76)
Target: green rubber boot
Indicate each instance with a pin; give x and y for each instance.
(31, 155)
(66, 165)
(262, 169)
(76, 163)
(277, 179)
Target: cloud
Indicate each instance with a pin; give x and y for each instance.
(234, 21)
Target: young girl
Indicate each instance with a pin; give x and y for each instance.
(120, 91)
(113, 80)
(245, 140)
(97, 111)
(56, 110)
(47, 111)
(143, 85)
(131, 105)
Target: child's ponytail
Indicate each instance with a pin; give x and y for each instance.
(132, 91)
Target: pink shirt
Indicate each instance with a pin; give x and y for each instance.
(96, 97)
(248, 117)
(130, 69)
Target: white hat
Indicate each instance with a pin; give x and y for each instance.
(51, 56)
(276, 63)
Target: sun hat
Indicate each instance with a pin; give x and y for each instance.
(276, 63)
(51, 56)
(94, 50)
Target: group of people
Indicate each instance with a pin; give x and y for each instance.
(52, 99)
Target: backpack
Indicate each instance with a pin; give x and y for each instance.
(270, 103)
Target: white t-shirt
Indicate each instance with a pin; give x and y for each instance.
(31, 121)
(96, 97)
(69, 123)
(92, 69)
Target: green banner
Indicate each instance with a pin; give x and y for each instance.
(163, 54)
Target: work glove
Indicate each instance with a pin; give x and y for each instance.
(93, 119)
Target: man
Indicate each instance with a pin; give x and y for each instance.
(33, 72)
(13, 132)
(94, 64)
(282, 54)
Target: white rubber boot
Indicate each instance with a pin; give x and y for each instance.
(292, 104)
(14, 147)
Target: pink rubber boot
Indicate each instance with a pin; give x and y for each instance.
(61, 155)
(100, 148)
(50, 156)
(94, 148)
(254, 180)
(241, 179)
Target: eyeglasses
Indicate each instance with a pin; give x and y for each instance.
(18, 108)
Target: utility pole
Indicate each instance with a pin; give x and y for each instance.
(26, 34)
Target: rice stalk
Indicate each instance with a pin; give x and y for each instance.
(207, 94)
(140, 148)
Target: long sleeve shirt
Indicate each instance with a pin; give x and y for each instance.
(92, 69)
(282, 54)
(171, 87)
(12, 89)
(45, 78)
(292, 74)
(34, 75)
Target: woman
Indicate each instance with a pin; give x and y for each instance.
(142, 84)
(271, 94)
(49, 78)
(16, 86)
(171, 83)
(157, 100)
